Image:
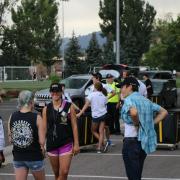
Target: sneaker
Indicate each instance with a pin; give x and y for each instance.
(110, 143)
(99, 151)
(106, 146)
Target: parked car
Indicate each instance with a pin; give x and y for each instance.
(156, 74)
(75, 86)
(165, 92)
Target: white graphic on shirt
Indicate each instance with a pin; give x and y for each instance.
(22, 134)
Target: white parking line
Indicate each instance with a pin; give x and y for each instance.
(94, 177)
(119, 154)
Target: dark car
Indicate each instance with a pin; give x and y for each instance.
(75, 86)
(165, 92)
(156, 74)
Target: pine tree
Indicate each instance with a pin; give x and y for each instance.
(93, 53)
(108, 52)
(72, 57)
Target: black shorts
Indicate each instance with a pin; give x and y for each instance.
(99, 119)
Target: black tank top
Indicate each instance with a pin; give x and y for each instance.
(24, 133)
(59, 130)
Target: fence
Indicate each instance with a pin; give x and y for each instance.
(14, 73)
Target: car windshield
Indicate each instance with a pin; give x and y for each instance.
(73, 83)
(157, 86)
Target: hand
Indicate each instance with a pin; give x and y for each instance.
(43, 151)
(118, 105)
(76, 149)
(78, 115)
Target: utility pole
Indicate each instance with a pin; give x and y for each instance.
(117, 32)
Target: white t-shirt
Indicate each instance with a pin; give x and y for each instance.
(98, 103)
(130, 130)
(91, 88)
(142, 88)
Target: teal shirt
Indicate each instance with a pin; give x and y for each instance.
(146, 110)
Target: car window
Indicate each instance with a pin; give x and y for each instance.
(157, 86)
(73, 83)
(166, 76)
(157, 76)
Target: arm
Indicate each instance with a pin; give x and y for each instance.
(84, 108)
(9, 131)
(44, 123)
(160, 116)
(75, 130)
(41, 132)
(134, 115)
(113, 93)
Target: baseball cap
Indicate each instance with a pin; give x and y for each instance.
(97, 75)
(128, 81)
(109, 76)
(55, 87)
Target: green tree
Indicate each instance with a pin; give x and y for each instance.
(136, 22)
(36, 33)
(93, 53)
(72, 57)
(108, 53)
(165, 50)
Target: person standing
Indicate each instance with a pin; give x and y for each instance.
(26, 133)
(97, 77)
(149, 86)
(98, 103)
(113, 106)
(59, 120)
(140, 137)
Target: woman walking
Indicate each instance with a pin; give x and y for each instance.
(59, 120)
(26, 133)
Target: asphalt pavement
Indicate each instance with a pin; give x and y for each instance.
(163, 164)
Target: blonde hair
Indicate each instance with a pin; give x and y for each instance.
(25, 98)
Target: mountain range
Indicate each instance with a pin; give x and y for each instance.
(84, 40)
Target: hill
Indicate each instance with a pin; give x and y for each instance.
(84, 40)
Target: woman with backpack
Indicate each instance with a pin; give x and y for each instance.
(59, 120)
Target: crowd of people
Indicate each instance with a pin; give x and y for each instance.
(56, 131)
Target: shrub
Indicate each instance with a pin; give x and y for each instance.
(54, 78)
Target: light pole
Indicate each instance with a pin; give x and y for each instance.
(63, 48)
(117, 32)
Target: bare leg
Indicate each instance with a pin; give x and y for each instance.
(94, 130)
(39, 175)
(21, 173)
(65, 162)
(107, 133)
(54, 160)
(101, 135)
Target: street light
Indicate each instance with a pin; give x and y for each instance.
(117, 32)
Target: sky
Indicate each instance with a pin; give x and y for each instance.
(81, 16)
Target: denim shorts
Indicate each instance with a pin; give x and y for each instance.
(32, 165)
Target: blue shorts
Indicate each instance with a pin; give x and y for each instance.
(31, 165)
(99, 119)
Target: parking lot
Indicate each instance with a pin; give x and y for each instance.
(163, 164)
